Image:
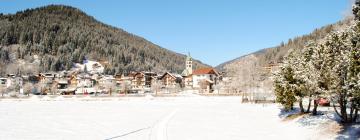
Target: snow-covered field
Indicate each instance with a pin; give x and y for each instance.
(143, 118)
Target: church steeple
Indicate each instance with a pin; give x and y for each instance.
(188, 66)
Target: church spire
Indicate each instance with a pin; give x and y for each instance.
(188, 66)
(188, 57)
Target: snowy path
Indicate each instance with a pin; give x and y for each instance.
(181, 118)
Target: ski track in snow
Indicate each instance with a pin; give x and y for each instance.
(159, 130)
(129, 133)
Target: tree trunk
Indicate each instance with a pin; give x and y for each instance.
(355, 115)
(352, 109)
(337, 112)
(309, 105)
(314, 111)
(125, 90)
(343, 111)
(301, 105)
(110, 91)
(345, 118)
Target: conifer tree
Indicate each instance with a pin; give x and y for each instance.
(284, 86)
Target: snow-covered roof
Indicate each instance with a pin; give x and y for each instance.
(175, 75)
(11, 75)
(63, 82)
(108, 77)
(186, 72)
(48, 75)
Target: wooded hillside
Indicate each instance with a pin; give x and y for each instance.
(62, 35)
(277, 53)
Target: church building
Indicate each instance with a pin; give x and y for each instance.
(187, 73)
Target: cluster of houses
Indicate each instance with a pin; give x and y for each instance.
(79, 82)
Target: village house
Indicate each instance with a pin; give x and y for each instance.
(124, 82)
(4, 82)
(95, 78)
(11, 75)
(272, 67)
(118, 77)
(84, 83)
(142, 80)
(119, 82)
(107, 80)
(13, 80)
(85, 80)
(150, 77)
(130, 77)
(170, 80)
(138, 81)
(65, 88)
(66, 83)
(62, 86)
(47, 78)
(205, 79)
(73, 80)
(187, 81)
(34, 79)
(107, 84)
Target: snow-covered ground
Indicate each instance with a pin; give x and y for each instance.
(147, 118)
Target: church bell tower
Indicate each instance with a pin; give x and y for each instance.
(189, 64)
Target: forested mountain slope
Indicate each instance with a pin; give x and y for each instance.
(60, 36)
(276, 54)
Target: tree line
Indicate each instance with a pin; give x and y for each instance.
(328, 68)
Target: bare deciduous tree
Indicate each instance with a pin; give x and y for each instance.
(155, 86)
(27, 88)
(110, 86)
(2, 90)
(245, 75)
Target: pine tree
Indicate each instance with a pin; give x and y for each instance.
(284, 86)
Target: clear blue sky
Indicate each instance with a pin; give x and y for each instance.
(213, 31)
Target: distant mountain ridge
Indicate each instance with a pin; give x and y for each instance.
(63, 35)
(276, 54)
